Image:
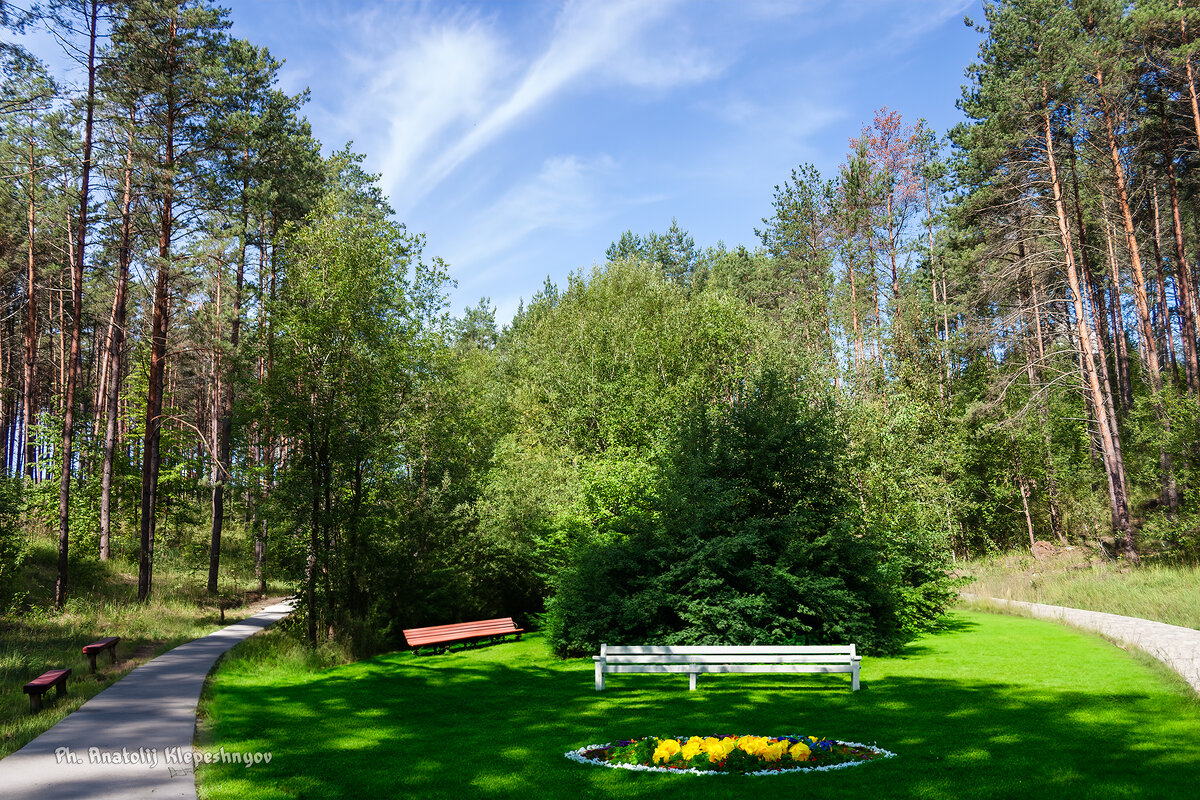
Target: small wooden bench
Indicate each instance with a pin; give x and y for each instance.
(726, 658)
(441, 636)
(94, 649)
(41, 684)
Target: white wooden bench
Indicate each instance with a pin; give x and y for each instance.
(726, 658)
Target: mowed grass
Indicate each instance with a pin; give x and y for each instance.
(102, 602)
(994, 707)
(1164, 592)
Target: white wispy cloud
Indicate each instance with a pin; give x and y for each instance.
(444, 79)
(450, 87)
(566, 194)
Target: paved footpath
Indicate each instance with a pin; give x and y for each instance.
(134, 739)
(1178, 648)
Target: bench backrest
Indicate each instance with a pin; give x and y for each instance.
(727, 654)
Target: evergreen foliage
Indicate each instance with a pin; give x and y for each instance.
(753, 537)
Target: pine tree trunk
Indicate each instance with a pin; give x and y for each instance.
(6, 419)
(1135, 259)
(1141, 301)
(314, 540)
(1120, 341)
(1165, 333)
(943, 379)
(217, 474)
(1023, 487)
(64, 486)
(29, 390)
(158, 349)
(859, 356)
(1035, 356)
(1110, 438)
(225, 432)
(61, 371)
(1184, 287)
(116, 343)
(1095, 296)
(264, 452)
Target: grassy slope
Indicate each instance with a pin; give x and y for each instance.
(1161, 592)
(102, 603)
(995, 707)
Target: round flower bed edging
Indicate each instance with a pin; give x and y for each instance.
(669, 757)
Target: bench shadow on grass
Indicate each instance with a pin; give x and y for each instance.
(475, 726)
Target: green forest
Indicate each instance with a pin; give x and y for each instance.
(220, 344)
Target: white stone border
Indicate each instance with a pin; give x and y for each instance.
(577, 756)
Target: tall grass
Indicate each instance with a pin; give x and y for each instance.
(1163, 592)
(102, 602)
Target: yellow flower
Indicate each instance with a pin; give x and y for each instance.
(752, 744)
(800, 751)
(774, 752)
(666, 748)
(690, 749)
(717, 749)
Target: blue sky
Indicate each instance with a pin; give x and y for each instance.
(523, 137)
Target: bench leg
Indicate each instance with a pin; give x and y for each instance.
(599, 677)
(35, 702)
(854, 679)
(113, 652)
(692, 681)
(91, 662)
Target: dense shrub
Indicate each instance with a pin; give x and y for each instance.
(757, 539)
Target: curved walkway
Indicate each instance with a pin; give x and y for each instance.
(134, 739)
(1177, 647)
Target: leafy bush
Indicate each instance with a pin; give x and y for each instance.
(757, 539)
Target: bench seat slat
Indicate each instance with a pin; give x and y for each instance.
(503, 622)
(460, 632)
(463, 635)
(47, 679)
(686, 668)
(102, 644)
(730, 659)
(452, 639)
(816, 649)
(465, 632)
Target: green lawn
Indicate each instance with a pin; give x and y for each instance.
(995, 707)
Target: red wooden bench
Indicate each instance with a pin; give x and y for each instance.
(41, 684)
(95, 648)
(441, 636)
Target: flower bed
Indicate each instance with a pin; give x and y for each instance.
(726, 755)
